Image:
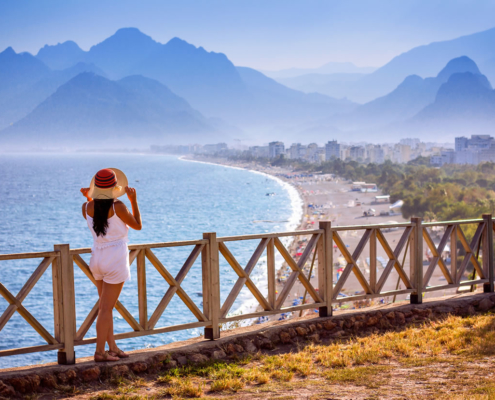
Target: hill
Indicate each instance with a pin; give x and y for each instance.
(25, 82)
(465, 103)
(89, 108)
(409, 98)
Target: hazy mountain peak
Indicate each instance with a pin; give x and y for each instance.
(8, 51)
(464, 84)
(68, 45)
(178, 42)
(456, 65)
(126, 37)
(129, 33)
(121, 51)
(411, 80)
(62, 55)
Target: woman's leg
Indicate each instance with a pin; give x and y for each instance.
(109, 295)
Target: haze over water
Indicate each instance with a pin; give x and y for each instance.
(179, 200)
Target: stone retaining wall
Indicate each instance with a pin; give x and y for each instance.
(274, 336)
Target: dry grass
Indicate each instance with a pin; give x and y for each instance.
(453, 359)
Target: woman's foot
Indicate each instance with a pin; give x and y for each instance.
(104, 357)
(118, 353)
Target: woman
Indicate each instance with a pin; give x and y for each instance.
(109, 221)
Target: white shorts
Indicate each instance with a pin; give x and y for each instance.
(111, 263)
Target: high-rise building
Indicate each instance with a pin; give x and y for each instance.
(275, 149)
(478, 148)
(332, 150)
(357, 153)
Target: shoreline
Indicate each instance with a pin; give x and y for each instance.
(295, 222)
(332, 199)
(291, 243)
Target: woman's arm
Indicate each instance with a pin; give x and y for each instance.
(132, 220)
(85, 191)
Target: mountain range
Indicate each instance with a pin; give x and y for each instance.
(91, 109)
(424, 61)
(131, 86)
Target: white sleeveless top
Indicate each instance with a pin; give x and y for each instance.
(116, 232)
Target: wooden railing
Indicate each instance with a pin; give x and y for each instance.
(405, 258)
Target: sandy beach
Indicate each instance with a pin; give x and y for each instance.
(331, 199)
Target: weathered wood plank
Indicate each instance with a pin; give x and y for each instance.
(132, 255)
(373, 255)
(20, 256)
(273, 312)
(68, 321)
(141, 286)
(127, 335)
(84, 328)
(325, 265)
(270, 264)
(212, 331)
(32, 349)
(289, 283)
(268, 235)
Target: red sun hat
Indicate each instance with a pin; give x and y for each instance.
(108, 183)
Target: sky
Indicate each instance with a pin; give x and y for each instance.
(262, 34)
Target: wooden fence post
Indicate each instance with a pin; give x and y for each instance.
(325, 268)
(211, 285)
(270, 263)
(65, 310)
(488, 253)
(416, 267)
(142, 295)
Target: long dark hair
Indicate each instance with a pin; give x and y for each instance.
(100, 218)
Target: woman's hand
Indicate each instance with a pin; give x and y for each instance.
(131, 194)
(85, 192)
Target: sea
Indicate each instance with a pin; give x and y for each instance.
(40, 205)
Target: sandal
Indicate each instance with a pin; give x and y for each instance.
(119, 353)
(104, 357)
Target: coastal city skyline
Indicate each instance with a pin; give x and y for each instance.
(473, 150)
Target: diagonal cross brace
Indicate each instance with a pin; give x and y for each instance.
(437, 255)
(33, 279)
(297, 271)
(172, 282)
(469, 251)
(27, 315)
(351, 263)
(394, 259)
(160, 308)
(244, 278)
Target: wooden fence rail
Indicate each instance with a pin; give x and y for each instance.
(405, 257)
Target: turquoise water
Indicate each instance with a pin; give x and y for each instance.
(179, 200)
